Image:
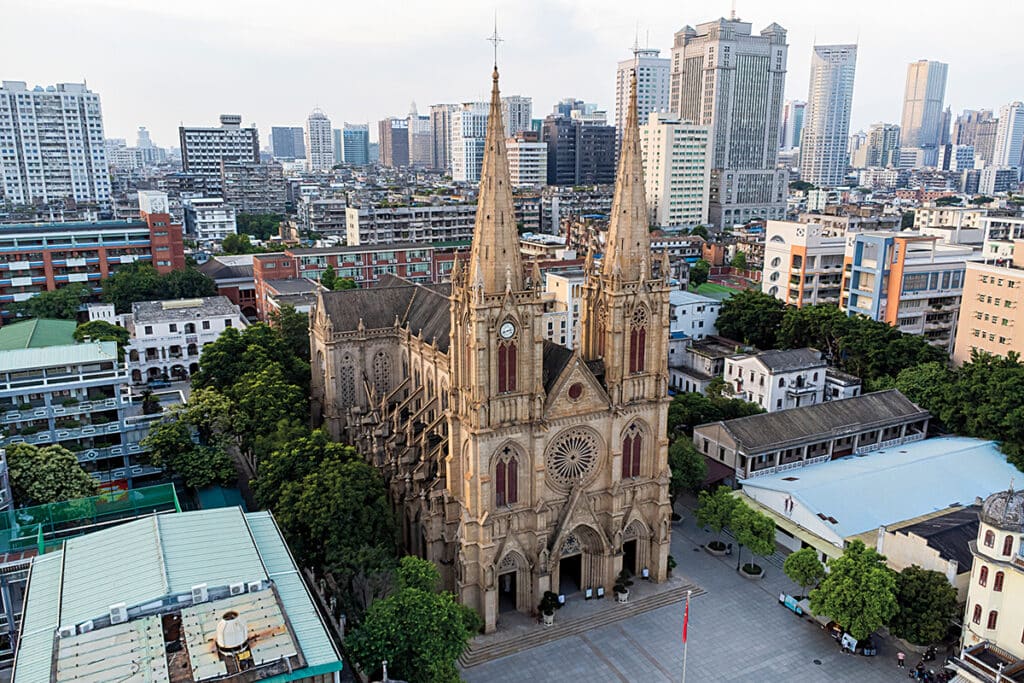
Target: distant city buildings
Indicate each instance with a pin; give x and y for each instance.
(209, 220)
(823, 146)
(733, 82)
(51, 144)
(287, 143)
(517, 113)
(653, 78)
(923, 100)
(420, 139)
(527, 159)
(466, 141)
(792, 124)
(581, 148)
(319, 142)
(203, 149)
(338, 144)
(253, 188)
(883, 145)
(356, 143)
(394, 142)
(677, 171)
(1009, 143)
(421, 224)
(441, 132)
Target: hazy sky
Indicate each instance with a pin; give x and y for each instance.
(161, 63)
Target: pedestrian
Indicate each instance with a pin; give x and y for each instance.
(900, 660)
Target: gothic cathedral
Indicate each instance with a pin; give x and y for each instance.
(516, 465)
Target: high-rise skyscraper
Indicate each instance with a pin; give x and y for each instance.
(319, 142)
(394, 142)
(792, 124)
(1009, 143)
(985, 141)
(51, 144)
(338, 145)
(581, 148)
(420, 139)
(468, 131)
(923, 100)
(653, 74)
(965, 128)
(823, 145)
(733, 82)
(676, 170)
(356, 143)
(203, 149)
(883, 145)
(516, 112)
(441, 133)
(287, 142)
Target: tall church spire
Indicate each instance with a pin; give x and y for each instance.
(494, 259)
(628, 246)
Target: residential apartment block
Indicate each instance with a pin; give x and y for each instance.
(803, 262)
(692, 315)
(653, 79)
(204, 149)
(431, 223)
(254, 188)
(51, 144)
(209, 221)
(677, 171)
(527, 159)
(319, 142)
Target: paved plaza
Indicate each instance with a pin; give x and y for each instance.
(738, 632)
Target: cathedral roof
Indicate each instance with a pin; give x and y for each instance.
(422, 309)
(556, 358)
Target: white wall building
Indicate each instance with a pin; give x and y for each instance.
(209, 220)
(51, 144)
(692, 314)
(823, 146)
(653, 78)
(1009, 136)
(792, 124)
(677, 171)
(778, 380)
(803, 263)
(527, 162)
(517, 114)
(203, 149)
(566, 290)
(319, 142)
(468, 130)
(167, 337)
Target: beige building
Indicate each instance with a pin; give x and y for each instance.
(803, 262)
(517, 465)
(991, 308)
(993, 635)
(677, 171)
(932, 216)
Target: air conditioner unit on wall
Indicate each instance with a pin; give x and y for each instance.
(118, 613)
(255, 586)
(236, 588)
(86, 626)
(67, 631)
(200, 593)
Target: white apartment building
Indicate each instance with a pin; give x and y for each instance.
(420, 224)
(653, 78)
(319, 142)
(778, 380)
(517, 114)
(421, 139)
(466, 142)
(993, 180)
(823, 145)
(51, 144)
(209, 221)
(202, 149)
(930, 215)
(562, 318)
(692, 315)
(883, 145)
(803, 263)
(1009, 147)
(677, 171)
(792, 124)
(167, 337)
(527, 161)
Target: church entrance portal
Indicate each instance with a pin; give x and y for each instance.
(507, 592)
(570, 574)
(629, 556)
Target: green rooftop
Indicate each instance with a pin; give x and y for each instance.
(37, 334)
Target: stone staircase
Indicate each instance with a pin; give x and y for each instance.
(477, 653)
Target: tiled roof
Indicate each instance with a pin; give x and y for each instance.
(37, 333)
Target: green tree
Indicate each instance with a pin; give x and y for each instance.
(171, 446)
(699, 231)
(420, 635)
(235, 353)
(262, 226)
(261, 398)
(688, 467)
(739, 260)
(714, 510)
(414, 572)
(294, 460)
(189, 283)
(101, 330)
(141, 282)
(62, 303)
(238, 244)
(907, 220)
(927, 606)
(49, 474)
(948, 201)
(859, 591)
(753, 530)
(801, 186)
(804, 568)
(699, 272)
(751, 317)
(293, 328)
(328, 277)
(343, 283)
(981, 199)
(689, 409)
(820, 326)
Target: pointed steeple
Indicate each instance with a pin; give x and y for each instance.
(495, 250)
(628, 243)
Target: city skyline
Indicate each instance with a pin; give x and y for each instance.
(434, 53)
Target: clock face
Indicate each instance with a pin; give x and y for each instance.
(507, 329)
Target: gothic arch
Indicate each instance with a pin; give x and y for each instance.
(508, 468)
(513, 566)
(585, 541)
(636, 546)
(639, 324)
(381, 373)
(635, 441)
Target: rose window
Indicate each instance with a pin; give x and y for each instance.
(572, 458)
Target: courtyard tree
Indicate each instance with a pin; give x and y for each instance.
(689, 409)
(171, 446)
(859, 591)
(699, 272)
(755, 531)
(751, 317)
(804, 568)
(927, 606)
(48, 474)
(141, 282)
(714, 510)
(328, 278)
(262, 226)
(101, 330)
(688, 467)
(414, 572)
(293, 328)
(739, 260)
(820, 326)
(62, 303)
(294, 460)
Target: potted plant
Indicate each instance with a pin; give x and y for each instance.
(548, 604)
(671, 564)
(621, 587)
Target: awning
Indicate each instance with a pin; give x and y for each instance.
(717, 471)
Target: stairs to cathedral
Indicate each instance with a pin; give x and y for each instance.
(478, 652)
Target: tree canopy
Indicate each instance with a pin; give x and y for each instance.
(801, 186)
(739, 260)
(715, 510)
(804, 568)
(141, 282)
(753, 530)
(328, 277)
(48, 474)
(927, 606)
(689, 409)
(262, 226)
(62, 303)
(751, 317)
(101, 330)
(699, 272)
(171, 445)
(688, 467)
(859, 591)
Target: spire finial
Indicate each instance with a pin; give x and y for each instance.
(494, 39)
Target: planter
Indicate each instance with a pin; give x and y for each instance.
(752, 571)
(549, 618)
(716, 548)
(622, 596)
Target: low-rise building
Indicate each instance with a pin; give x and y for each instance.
(778, 380)
(209, 221)
(254, 188)
(324, 216)
(761, 445)
(930, 215)
(183, 597)
(167, 337)
(803, 262)
(233, 275)
(991, 307)
(692, 314)
(566, 289)
(383, 223)
(694, 363)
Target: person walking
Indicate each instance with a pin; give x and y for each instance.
(901, 660)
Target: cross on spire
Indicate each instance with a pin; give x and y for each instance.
(494, 39)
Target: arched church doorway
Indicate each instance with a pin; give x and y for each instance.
(581, 561)
(514, 584)
(629, 556)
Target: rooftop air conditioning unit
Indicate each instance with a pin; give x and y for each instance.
(200, 594)
(86, 626)
(236, 588)
(255, 586)
(118, 613)
(67, 631)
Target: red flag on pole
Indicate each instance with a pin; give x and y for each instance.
(686, 617)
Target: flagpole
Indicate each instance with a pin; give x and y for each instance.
(686, 619)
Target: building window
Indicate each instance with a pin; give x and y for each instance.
(632, 445)
(993, 617)
(638, 340)
(990, 539)
(1007, 545)
(227, 323)
(506, 478)
(997, 585)
(149, 329)
(983, 577)
(206, 324)
(782, 382)
(507, 360)
(174, 327)
(977, 614)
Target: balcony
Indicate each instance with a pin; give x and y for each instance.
(94, 454)
(765, 471)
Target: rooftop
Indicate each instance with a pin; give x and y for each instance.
(239, 561)
(788, 361)
(16, 360)
(950, 534)
(182, 309)
(859, 493)
(37, 333)
(397, 246)
(70, 226)
(679, 297)
(294, 285)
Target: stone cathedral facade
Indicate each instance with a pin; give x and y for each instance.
(515, 465)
